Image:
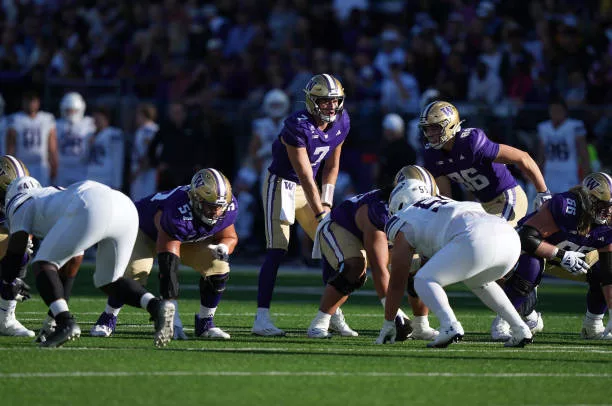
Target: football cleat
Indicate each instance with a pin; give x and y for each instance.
(105, 326)
(534, 322)
(316, 332)
(264, 327)
(403, 328)
(500, 329)
(519, 339)
(338, 324)
(205, 328)
(448, 335)
(63, 332)
(594, 330)
(10, 326)
(47, 328)
(164, 323)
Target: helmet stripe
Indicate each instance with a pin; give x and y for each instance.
(221, 189)
(18, 167)
(331, 83)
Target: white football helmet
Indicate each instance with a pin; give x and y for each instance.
(407, 193)
(276, 103)
(72, 107)
(18, 192)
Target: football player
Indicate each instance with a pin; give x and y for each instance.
(192, 224)
(469, 158)
(143, 179)
(31, 137)
(290, 191)
(69, 221)
(562, 231)
(105, 150)
(10, 169)
(73, 130)
(351, 238)
(562, 148)
(464, 244)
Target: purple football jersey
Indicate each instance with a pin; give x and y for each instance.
(300, 131)
(177, 219)
(566, 212)
(378, 212)
(470, 163)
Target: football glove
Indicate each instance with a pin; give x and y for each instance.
(219, 251)
(572, 262)
(387, 333)
(30, 248)
(540, 198)
(23, 290)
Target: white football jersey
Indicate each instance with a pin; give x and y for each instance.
(105, 151)
(145, 183)
(267, 130)
(32, 143)
(72, 146)
(35, 211)
(429, 224)
(561, 166)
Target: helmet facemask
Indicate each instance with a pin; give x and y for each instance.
(439, 123)
(324, 87)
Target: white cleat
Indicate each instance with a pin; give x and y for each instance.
(594, 330)
(424, 333)
(448, 335)
(338, 324)
(500, 329)
(47, 329)
(164, 324)
(534, 322)
(318, 333)
(520, 339)
(264, 327)
(215, 332)
(10, 326)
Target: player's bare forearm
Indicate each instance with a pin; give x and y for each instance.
(332, 167)
(227, 236)
(526, 164)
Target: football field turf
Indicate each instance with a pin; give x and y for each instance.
(558, 369)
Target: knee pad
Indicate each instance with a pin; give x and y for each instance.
(216, 283)
(529, 305)
(410, 287)
(345, 286)
(520, 285)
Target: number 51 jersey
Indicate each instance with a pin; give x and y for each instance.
(429, 224)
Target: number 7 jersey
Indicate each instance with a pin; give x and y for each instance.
(470, 163)
(300, 131)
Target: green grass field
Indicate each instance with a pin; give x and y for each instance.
(558, 369)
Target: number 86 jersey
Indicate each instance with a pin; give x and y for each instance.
(430, 223)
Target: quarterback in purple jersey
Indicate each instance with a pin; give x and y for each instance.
(562, 231)
(468, 157)
(290, 191)
(192, 224)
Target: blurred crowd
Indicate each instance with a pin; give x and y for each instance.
(206, 66)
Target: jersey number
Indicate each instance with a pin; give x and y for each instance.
(321, 152)
(432, 203)
(31, 138)
(470, 178)
(557, 151)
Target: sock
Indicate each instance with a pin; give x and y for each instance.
(127, 291)
(267, 276)
(422, 322)
(58, 306)
(207, 312)
(263, 312)
(49, 285)
(594, 317)
(112, 310)
(209, 296)
(596, 302)
(7, 305)
(67, 283)
(152, 304)
(321, 320)
(145, 300)
(434, 297)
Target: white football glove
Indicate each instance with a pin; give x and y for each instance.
(387, 333)
(219, 251)
(540, 198)
(572, 262)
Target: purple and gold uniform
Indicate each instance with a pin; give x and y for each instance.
(179, 223)
(300, 131)
(471, 164)
(341, 238)
(565, 212)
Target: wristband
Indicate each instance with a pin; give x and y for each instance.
(559, 254)
(327, 194)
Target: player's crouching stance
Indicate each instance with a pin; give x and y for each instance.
(192, 224)
(68, 222)
(463, 244)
